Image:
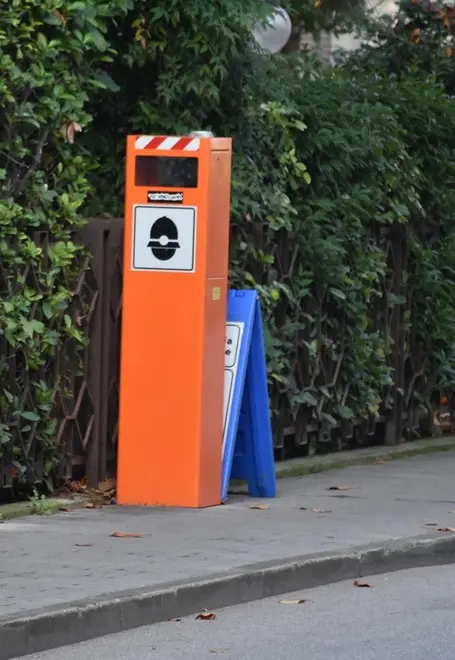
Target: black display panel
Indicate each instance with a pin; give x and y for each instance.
(166, 172)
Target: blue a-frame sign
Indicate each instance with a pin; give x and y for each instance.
(247, 435)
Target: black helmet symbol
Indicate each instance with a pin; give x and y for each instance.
(163, 239)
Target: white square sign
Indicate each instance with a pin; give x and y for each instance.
(164, 238)
(233, 340)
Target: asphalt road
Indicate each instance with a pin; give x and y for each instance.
(405, 616)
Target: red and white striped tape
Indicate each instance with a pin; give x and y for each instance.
(168, 143)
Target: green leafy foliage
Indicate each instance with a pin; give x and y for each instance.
(415, 42)
(412, 59)
(333, 169)
(321, 268)
(51, 58)
(178, 66)
(312, 16)
(317, 166)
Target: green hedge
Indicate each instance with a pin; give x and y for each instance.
(52, 60)
(332, 176)
(333, 169)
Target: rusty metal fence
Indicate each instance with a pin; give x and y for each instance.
(86, 404)
(86, 400)
(89, 426)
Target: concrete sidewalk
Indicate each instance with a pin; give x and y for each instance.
(52, 561)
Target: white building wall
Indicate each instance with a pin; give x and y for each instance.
(323, 46)
(349, 42)
(327, 43)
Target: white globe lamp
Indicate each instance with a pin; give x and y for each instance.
(274, 32)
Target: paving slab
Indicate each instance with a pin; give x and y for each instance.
(53, 560)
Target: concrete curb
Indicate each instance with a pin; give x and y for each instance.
(48, 628)
(299, 467)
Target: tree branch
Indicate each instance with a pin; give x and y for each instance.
(36, 161)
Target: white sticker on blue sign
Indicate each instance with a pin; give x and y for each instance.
(164, 238)
(233, 342)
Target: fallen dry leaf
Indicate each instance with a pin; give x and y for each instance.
(446, 529)
(104, 494)
(127, 535)
(362, 584)
(70, 129)
(415, 36)
(60, 16)
(206, 616)
(65, 509)
(261, 507)
(107, 485)
(73, 487)
(340, 488)
(217, 650)
(176, 620)
(298, 601)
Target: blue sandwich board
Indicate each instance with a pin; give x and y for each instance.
(247, 432)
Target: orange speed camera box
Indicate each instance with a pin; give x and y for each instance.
(173, 324)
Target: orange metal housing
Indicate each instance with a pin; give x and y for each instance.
(173, 321)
